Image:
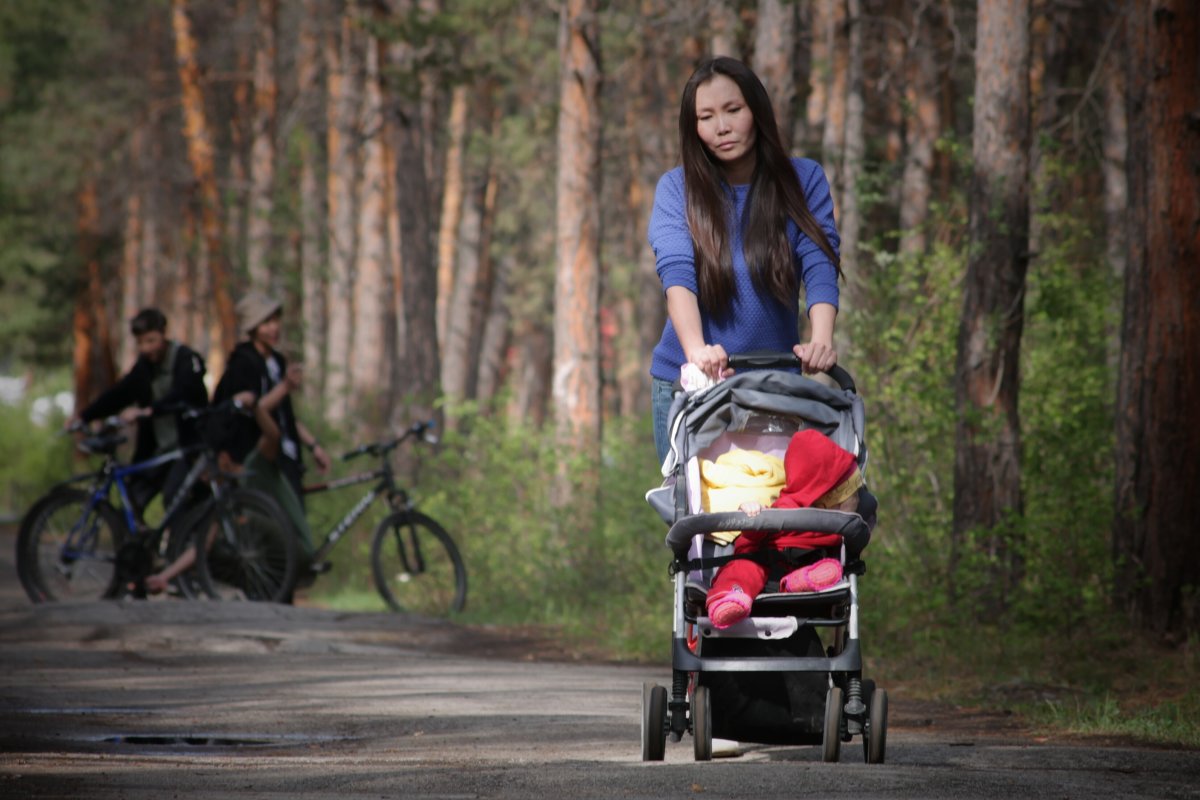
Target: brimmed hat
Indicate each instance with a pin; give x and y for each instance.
(254, 309)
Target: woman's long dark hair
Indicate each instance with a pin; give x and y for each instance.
(775, 195)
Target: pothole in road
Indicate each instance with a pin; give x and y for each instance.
(193, 742)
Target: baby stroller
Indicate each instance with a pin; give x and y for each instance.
(772, 678)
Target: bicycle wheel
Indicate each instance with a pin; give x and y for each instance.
(417, 567)
(67, 547)
(246, 549)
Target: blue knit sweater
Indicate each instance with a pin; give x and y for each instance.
(757, 321)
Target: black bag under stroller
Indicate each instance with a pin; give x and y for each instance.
(791, 673)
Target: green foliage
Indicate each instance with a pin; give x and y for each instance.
(601, 580)
(32, 457)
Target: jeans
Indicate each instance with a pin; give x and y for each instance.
(661, 394)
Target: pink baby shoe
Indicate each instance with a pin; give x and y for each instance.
(814, 577)
(733, 606)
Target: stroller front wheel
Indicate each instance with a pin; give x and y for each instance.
(832, 735)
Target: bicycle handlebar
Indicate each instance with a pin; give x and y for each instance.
(385, 446)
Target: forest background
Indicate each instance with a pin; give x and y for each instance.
(451, 198)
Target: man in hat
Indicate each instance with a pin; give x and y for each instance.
(166, 378)
(256, 366)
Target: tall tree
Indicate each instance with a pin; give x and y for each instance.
(262, 148)
(922, 126)
(95, 369)
(312, 209)
(200, 154)
(417, 380)
(452, 202)
(370, 369)
(1156, 534)
(342, 124)
(774, 59)
(987, 474)
(850, 222)
(576, 383)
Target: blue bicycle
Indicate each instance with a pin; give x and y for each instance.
(74, 544)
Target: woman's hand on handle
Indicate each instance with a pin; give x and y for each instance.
(818, 354)
(815, 356)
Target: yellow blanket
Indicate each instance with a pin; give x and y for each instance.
(736, 477)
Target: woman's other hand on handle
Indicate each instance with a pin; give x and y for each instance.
(712, 360)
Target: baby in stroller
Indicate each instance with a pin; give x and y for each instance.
(819, 474)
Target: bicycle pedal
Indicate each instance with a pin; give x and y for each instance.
(320, 567)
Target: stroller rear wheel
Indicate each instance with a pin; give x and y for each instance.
(654, 722)
(831, 740)
(875, 736)
(702, 723)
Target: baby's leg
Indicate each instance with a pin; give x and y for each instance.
(733, 591)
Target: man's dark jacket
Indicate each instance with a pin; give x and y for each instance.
(136, 389)
(246, 371)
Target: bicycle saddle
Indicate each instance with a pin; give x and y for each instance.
(102, 445)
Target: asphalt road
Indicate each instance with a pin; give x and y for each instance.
(167, 699)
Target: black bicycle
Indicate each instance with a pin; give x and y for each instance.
(73, 543)
(415, 564)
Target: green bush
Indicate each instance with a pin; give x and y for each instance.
(32, 457)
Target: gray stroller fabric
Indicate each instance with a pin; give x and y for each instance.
(748, 402)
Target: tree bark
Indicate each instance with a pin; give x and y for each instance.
(723, 29)
(1156, 531)
(418, 380)
(850, 221)
(987, 475)
(370, 371)
(1115, 149)
(342, 130)
(922, 127)
(262, 150)
(774, 59)
(833, 135)
(576, 382)
(200, 154)
(496, 337)
(452, 205)
(312, 218)
(94, 368)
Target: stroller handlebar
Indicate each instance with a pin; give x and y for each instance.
(788, 359)
(851, 527)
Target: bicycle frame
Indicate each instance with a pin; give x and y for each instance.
(386, 486)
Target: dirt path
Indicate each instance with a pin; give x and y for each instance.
(170, 699)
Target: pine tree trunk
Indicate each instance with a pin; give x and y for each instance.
(132, 241)
(774, 59)
(200, 154)
(1156, 531)
(452, 205)
(262, 150)
(922, 128)
(833, 135)
(342, 125)
(987, 474)
(472, 282)
(95, 369)
(496, 337)
(723, 29)
(417, 383)
(576, 383)
(370, 371)
(850, 221)
(1115, 150)
(311, 257)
